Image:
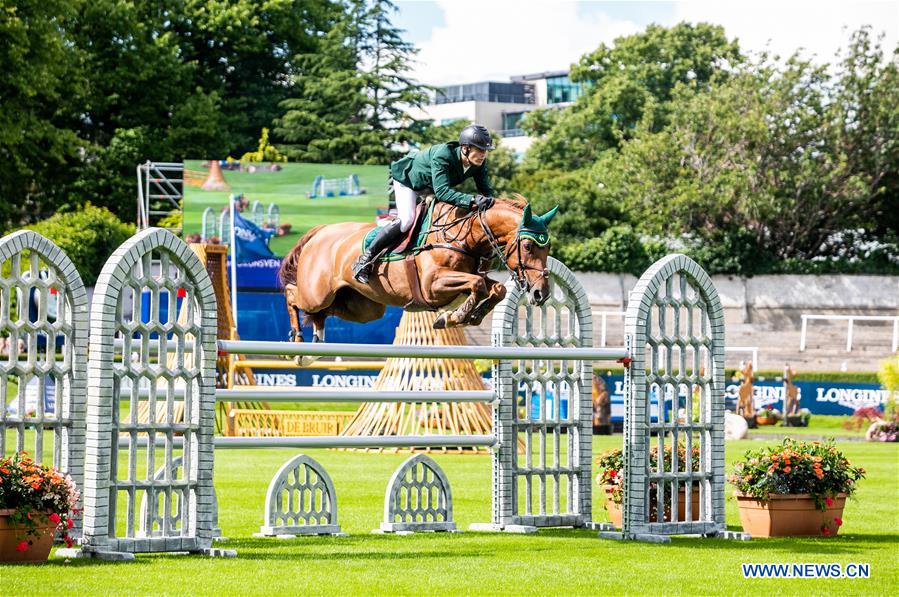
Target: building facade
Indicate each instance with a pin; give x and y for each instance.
(500, 105)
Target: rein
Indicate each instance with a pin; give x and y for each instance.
(503, 253)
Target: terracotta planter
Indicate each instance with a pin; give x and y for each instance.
(789, 515)
(10, 537)
(766, 420)
(614, 509)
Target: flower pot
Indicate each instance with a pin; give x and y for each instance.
(614, 509)
(10, 537)
(751, 422)
(789, 515)
(766, 420)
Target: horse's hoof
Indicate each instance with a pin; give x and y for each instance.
(304, 361)
(440, 322)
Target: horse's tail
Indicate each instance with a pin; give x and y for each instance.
(287, 274)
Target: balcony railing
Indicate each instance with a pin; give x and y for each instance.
(511, 133)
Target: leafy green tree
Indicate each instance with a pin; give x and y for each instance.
(39, 76)
(350, 93)
(624, 84)
(325, 120)
(767, 165)
(242, 50)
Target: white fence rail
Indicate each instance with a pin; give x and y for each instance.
(850, 319)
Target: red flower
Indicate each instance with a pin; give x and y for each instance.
(825, 531)
(69, 523)
(787, 469)
(828, 501)
(839, 521)
(22, 546)
(68, 540)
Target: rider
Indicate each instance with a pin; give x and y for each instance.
(440, 167)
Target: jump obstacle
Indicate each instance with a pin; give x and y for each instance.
(216, 224)
(674, 337)
(335, 187)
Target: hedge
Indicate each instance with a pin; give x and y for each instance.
(88, 236)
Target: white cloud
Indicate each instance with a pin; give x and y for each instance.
(820, 27)
(495, 39)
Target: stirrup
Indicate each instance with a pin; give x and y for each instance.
(362, 270)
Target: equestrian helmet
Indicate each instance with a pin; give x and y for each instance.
(476, 135)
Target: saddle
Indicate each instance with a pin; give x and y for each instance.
(405, 250)
(414, 238)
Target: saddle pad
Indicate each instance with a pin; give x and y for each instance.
(419, 229)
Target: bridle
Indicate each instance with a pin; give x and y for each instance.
(497, 250)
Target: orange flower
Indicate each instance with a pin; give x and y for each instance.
(787, 462)
(817, 459)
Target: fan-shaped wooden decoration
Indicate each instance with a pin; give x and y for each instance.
(412, 375)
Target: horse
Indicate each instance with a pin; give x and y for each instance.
(317, 274)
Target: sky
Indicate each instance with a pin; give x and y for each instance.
(516, 37)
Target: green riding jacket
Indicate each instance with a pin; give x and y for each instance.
(439, 167)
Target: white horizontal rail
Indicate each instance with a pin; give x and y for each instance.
(301, 394)
(307, 395)
(334, 441)
(850, 320)
(325, 349)
(754, 350)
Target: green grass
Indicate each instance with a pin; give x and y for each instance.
(288, 189)
(818, 426)
(552, 562)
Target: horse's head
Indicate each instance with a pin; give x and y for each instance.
(528, 258)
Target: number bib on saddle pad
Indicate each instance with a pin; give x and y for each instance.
(416, 237)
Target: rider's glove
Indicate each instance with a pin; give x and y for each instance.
(481, 202)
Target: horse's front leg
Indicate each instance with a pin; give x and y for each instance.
(449, 283)
(496, 292)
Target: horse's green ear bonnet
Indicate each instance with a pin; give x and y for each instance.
(535, 227)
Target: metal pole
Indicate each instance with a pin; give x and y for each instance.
(334, 441)
(802, 333)
(368, 395)
(233, 251)
(140, 201)
(896, 334)
(327, 349)
(602, 332)
(849, 336)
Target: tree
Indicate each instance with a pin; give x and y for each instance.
(390, 91)
(40, 75)
(624, 84)
(349, 95)
(325, 120)
(780, 160)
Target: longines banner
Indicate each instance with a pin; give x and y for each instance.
(825, 398)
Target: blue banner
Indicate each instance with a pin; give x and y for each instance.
(820, 398)
(251, 240)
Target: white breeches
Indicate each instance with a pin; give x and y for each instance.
(405, 205)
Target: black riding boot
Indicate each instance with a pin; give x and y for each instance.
(386, 239)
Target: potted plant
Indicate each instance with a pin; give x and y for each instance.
(35, 502)
(794, 489)
(800, 419)
(767, 416)
(611, 479)
(883, 431)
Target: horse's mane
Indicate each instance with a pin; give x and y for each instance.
(516, 201)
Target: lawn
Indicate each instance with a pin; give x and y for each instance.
(288, 189)
(552, 562)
